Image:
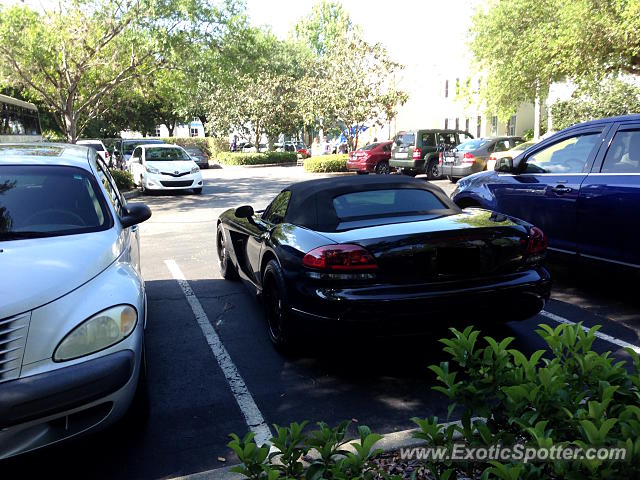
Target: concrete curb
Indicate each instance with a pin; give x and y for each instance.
(284, 164)
(132, 194)
(390, 442)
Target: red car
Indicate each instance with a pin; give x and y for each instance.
(370, 158)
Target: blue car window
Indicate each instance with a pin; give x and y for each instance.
(623, 155)
(567, 156)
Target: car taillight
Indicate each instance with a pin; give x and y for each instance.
(340, 258)
(468, 158)
(537, 242)
(492, 157)
(106, 154)
(417, 153)
(440, 158)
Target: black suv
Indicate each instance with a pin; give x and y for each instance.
(416, 151)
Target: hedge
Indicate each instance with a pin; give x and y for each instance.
(238, 158)
(124, 180)
(326, 163)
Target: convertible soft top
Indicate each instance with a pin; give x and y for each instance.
(311, 202)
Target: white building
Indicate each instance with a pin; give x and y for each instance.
(192, 129)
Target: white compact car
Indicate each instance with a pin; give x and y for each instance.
(164, 167)
(99, 147)
(72, 297)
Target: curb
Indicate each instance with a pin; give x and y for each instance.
(284, 164)
(131, 194)
(388, 443)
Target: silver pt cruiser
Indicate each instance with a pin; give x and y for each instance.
(72, 298)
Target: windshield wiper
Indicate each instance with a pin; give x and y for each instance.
(23, 235)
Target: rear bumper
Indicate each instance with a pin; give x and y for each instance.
(407, 164)
(459, 171)
(516, 296)
(355, 166)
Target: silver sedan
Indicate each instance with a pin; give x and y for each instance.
(72, 298)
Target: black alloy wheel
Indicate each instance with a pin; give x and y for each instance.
(227, 270)
(382, 168)
(276, 306)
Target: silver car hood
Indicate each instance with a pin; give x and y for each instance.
(37, 271)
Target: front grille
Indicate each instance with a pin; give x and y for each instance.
(176, 183)
(13, 337)
(179, 174)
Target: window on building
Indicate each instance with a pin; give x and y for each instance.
(494, 125)
(512, 125)
(446, 123)
(193, 132)
(466, 125)
(157, 134)
(446, 89)
(479, 126)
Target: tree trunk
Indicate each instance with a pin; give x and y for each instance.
(70, 121)
(257, 136)
(171, 125)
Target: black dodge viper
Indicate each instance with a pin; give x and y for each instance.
(383, 252)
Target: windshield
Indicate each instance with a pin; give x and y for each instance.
(96, 146)
(128, 147)
(43, 201)
(405, 139)
(523, 146)
(471, 145)
(166, 154)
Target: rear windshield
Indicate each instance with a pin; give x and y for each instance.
(129, 146)
(371, 146)
(405, 139)
(375, 203)
(44, 201)
(472, 145)
(165, 154)
(96, 146)
(195, 150)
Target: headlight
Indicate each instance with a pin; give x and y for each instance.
(151, 169)
(195, 169)
(97, 333)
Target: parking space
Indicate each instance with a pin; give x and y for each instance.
(381, 382)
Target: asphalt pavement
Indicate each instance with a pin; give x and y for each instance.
(212, 370)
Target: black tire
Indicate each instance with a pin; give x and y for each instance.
(452, 179)
(382, 168)
(433, 171)
(138, 412)
(197, 191)
(276, 307)
(360, 172)
(227, 270)
(409, 173)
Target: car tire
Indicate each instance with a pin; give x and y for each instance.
(227, 270)
(197, 191)
(433, 172)
(453, 179)
(360, 172)
(382, 168)
(409, 173)
(276, 307)
(138, 412)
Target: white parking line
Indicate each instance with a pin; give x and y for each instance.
(600, 335)
(247, 404)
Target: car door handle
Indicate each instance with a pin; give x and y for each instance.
(561, 189)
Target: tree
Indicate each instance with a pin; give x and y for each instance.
(597, 100)
(324, 28)
(525, 45)
(72, 58)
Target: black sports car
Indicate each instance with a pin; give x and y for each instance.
(385, 251)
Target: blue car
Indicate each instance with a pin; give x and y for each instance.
(581, 186)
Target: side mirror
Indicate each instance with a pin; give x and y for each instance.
(246, 211)
(504, 165)
(134, 214)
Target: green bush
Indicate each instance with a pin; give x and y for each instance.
(326, 163)
(574, 398)
(238, 158)
(335, 460)
(124, 180)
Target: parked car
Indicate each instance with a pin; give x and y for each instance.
(384, 252)
(370, 158)
(473, 156)
(299, 147)
(198, 155)
(124, 148)
(417, 151)
(72, 297)
(514, 152)
(302, 150)
(164, 167)
(99, 147)
(581, 185)
(250, 148)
